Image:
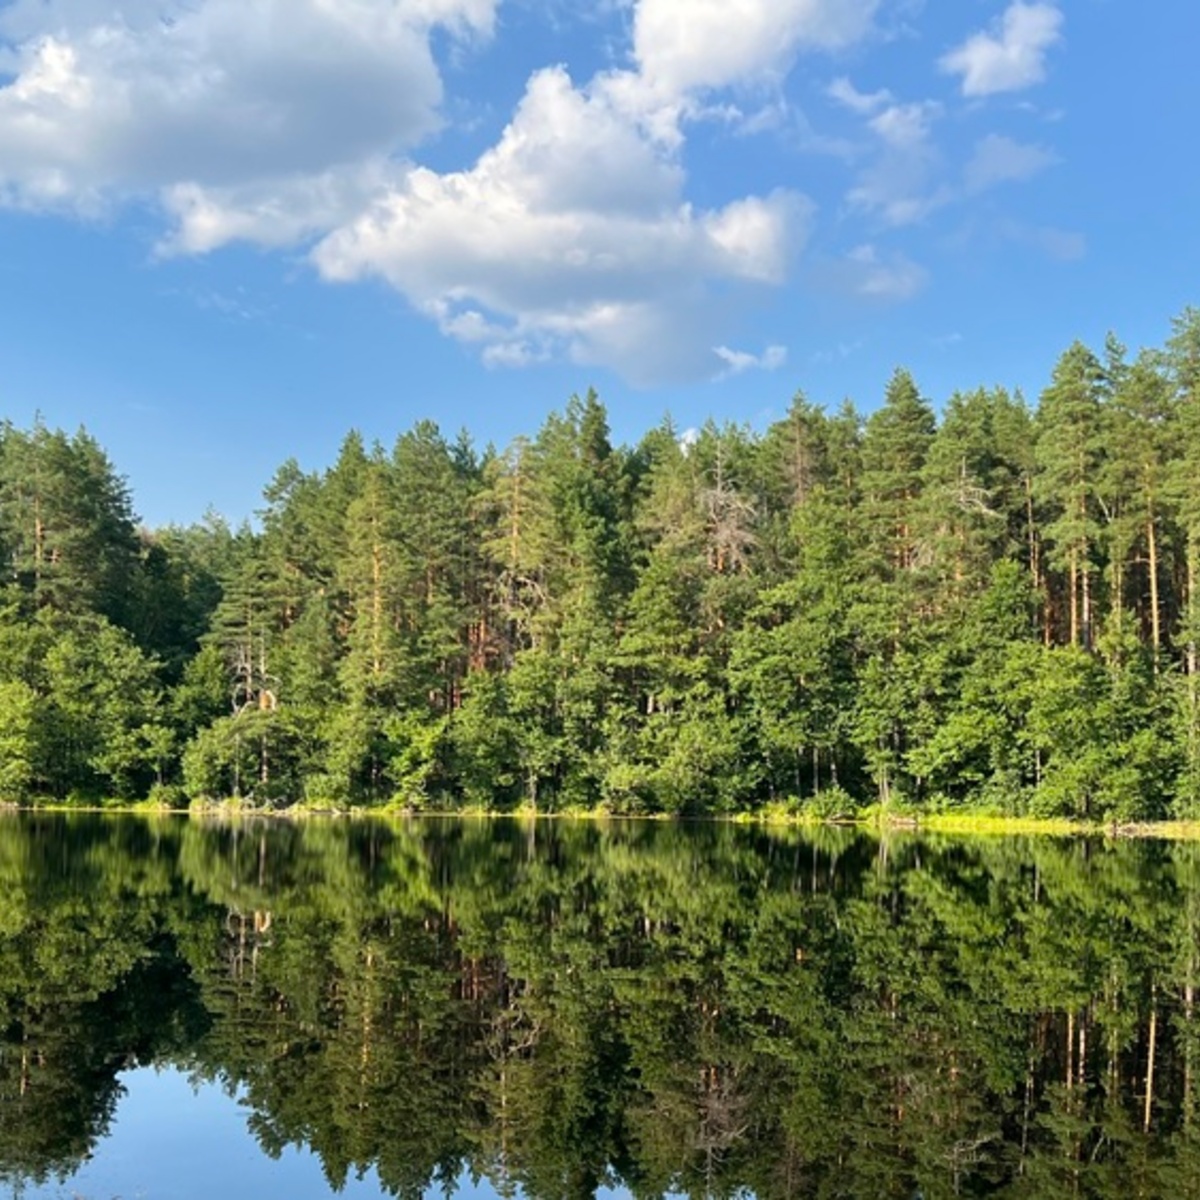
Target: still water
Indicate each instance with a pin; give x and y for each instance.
(561, 1010)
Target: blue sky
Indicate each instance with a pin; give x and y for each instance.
(231, 230)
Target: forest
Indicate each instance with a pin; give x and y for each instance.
(993, 608)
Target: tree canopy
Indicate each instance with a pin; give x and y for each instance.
(994, 605)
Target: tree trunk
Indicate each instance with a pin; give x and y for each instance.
(376, 601)
(1155, 612)
(1081, 1066)
(1087, 604)
(1035, 558)
(237, 765)
(1073, 569)
(1070, 1048)
(1189, 1016)
(1193, 684)
(39, 544)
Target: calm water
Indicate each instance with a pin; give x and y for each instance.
(191, 1010)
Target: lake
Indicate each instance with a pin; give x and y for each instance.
(566, 1009)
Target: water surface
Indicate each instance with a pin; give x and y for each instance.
(560, 1010)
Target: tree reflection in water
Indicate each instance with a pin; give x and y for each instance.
(707, 1010)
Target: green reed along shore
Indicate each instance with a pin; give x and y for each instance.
(966, 825)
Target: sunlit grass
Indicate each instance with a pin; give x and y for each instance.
(785, 813)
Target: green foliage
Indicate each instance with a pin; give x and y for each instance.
(103, 729)
(995, 608)
(66, 524)
(483, 744)
(18, 748)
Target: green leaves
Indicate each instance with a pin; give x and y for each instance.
(719, 621)
(18, 745)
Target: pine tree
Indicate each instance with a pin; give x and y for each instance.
(371, 671)
(898, 555)
(435, 491)
(971, 495)
(66, 523)
(1070, 450)
(1134, 488)
(898, 438)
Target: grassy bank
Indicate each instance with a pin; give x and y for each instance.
(873, 819)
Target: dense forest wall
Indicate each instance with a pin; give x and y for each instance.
(997, 610)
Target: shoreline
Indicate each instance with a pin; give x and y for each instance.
(947, 824)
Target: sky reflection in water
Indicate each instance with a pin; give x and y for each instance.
(175, 1139)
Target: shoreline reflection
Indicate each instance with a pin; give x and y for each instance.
(567, 1008)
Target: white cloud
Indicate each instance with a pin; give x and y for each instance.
(683, 47)
(998, 159)
(123, 99)
(766, 118)
(906, 181)
(1010, 56)
(513, 354)
(863, 103)
(271, 213)
(753, 237)
(285, 122)
(571, 236)
(906, 126)
(739, 361)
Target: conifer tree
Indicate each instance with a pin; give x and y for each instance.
(895, 447)
(1134, 488)
(897, 555)
(66, 523)
(1070, 449)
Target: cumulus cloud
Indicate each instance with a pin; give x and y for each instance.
(998, 159)
(271, 213)
(127, 99)
(901, 186)
(1011, 55)
(681, 47)
(293, 122)
(906, 126)
(535, 251)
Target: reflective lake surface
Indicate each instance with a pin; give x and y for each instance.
(562, 1010)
